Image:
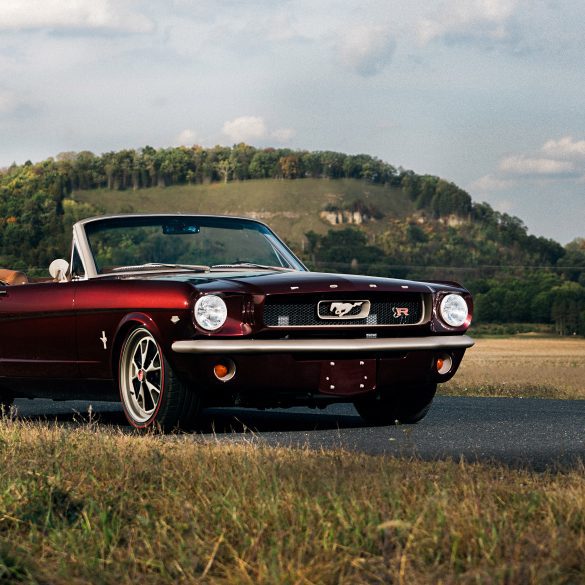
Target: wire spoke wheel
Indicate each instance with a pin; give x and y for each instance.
(141, 376)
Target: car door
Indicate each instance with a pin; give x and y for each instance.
(37, 331)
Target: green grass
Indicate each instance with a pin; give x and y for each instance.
(86, 504)
(291, 208)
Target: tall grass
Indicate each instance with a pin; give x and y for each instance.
(90, 504)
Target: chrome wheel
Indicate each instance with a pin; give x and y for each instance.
(141, 376)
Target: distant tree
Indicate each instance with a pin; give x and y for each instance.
(199, 161)
(225, 168)
(289, 166)
(568, 308)
(110, 168)
(214, 156)
(415, 234)
(241, 157)
(572, 263)
(264, 164)
(450, 199)
(409, 184)
(332, 164)
(87, 172)
(312, 164)
(151, 165)
(313, 240)
(343, 246)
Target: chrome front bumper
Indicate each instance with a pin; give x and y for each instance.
(231, 346)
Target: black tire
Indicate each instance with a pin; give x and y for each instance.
(151, 393)
(397, 406)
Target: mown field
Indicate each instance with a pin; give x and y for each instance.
(92, 505)
(522, 366)
(87, 503)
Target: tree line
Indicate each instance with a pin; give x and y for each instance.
(147, 167)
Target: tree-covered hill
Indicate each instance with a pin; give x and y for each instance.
(339, 212)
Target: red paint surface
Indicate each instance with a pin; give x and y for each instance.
(54, 331)
(37, 326)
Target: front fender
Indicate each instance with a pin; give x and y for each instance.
(129, 322)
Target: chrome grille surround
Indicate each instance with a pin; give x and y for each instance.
(390, 310)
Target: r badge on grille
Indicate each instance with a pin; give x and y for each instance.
(343, 309)
(398, 312)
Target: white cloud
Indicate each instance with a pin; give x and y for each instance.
(490, 183)
(114, 15)
(524, 165)
(469, 19)
(245, 129)
(187, 137)
(563, 162)
(565, 147)
(253, 129)
(366, 49)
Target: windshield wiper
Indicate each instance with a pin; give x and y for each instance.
(155, 265)
(250, 265)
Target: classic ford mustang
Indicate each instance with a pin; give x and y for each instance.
(173, 312)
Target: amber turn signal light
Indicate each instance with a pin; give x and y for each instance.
(444, 363)
(220, 370)
(225, 370)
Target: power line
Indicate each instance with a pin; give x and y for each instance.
(447, 267)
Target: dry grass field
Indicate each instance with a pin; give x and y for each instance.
(86, 504)
(522, 366)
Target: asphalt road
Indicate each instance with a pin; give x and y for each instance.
(520, 432)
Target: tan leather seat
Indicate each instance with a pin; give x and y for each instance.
(12, 277)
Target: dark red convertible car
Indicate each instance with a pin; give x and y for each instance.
(171, 312)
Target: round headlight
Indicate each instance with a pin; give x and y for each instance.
(210, 312)
(453, 310)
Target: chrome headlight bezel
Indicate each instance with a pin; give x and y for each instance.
(210, 312)
(453, 310)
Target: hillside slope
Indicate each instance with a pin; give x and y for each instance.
(291, 208)
(399, 231)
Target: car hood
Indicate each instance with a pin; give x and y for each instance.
(263, 282)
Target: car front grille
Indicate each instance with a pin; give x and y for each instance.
(394, 309)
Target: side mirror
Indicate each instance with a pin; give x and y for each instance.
(58, 270)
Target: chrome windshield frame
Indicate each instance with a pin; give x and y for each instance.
(80, 236)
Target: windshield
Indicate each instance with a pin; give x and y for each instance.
(184, 242)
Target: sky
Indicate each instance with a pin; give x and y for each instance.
(489, 94)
